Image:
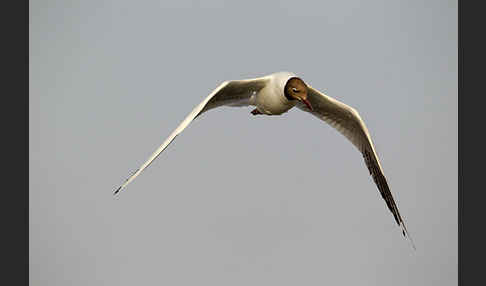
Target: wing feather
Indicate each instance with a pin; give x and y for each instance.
(348, 122)
(229, 93)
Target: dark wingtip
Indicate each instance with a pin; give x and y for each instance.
(406, 235)
(117, 190)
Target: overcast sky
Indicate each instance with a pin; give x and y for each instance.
(239, 199)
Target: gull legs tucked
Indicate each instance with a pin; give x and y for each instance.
(256, 112)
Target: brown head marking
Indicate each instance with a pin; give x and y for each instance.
(295, 88)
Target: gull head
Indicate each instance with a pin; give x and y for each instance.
(296, 89)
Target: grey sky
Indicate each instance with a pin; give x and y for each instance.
(238, 199)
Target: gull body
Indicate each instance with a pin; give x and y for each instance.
(275, 94)
(270, 100)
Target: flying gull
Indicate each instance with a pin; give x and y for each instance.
(277, 93)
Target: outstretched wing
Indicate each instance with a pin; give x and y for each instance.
(347, 121)
(229, 93)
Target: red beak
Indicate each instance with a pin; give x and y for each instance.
(307, 103)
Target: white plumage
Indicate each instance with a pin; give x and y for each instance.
(275, 94)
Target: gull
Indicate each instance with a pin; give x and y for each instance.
(277, 93)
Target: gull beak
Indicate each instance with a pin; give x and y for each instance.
(308, 104)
